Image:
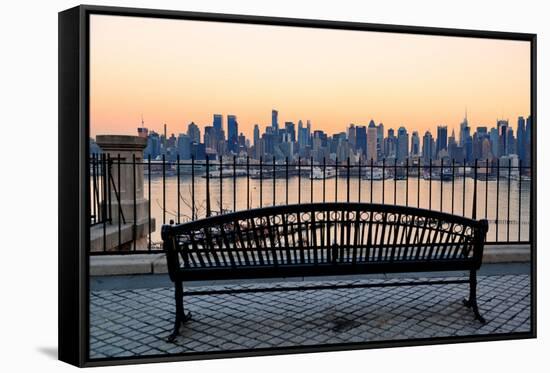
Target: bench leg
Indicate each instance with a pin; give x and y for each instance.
(472, 301)
(181, 316)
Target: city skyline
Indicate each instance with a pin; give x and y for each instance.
(292, 141)
(159, 128)
(141, 67)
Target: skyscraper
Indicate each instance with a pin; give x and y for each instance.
(241, 140)
(486, 152)
(184, 146)
(482, 131)
(510, 141)
(477, 140)
(372, 140)
(194, 132)
(256, 135)
(453, 149)
(469, 148)
(441, 142)
(451, 140)
(502, 126)
(198, 151)
(153, 145)
(361, 139)
(521, 143)
(390, 144)
(232, 133)
(218, 122)
(402, 144)
(352, 135)
(274, 120)
(210, 138)
(303, 136)
(290, 129)
(528, 141)
(380, 140)
(171, 142)
(415, 144)
(267, 140)
(465, 134)
(143, 132)
(463, 127)
(495, 142)
(427, 147)
(468, 144)
(165, 136)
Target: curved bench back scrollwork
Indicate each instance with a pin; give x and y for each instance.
(325, 234)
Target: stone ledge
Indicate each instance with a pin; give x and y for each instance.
(138, 264)
(107, 265)
(506, 253)
(110, 237)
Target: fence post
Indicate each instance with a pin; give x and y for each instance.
(208, 207)
(474, 203)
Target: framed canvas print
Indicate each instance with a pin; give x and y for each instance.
(235, 185)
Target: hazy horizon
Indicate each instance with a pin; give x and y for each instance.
(179, 71)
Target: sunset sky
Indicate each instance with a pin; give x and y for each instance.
(178, 71)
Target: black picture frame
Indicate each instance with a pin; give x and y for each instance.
(74, 206)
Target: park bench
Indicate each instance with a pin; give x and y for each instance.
(322, 239)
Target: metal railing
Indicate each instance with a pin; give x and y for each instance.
(179, 191)
(101, 198)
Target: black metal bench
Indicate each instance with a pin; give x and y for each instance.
(322, 239)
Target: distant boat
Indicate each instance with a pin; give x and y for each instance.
(158, 167)
(374, 174)
(171, 168)
(446, 175)
(280, 173)
(438, 175)
(225, 174)
(317, 173)
(516, 176)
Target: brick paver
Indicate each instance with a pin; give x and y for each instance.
(137, 321)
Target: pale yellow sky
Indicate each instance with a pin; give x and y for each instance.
(178, 71)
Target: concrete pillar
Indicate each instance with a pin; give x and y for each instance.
(124, 148)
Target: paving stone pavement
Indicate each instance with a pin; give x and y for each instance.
(137, 321)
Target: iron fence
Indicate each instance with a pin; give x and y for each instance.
(183, 190)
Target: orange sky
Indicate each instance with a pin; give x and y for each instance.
(177, 71)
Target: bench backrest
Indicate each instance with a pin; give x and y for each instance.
(324, 233)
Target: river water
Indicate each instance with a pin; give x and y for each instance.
(507, 211)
